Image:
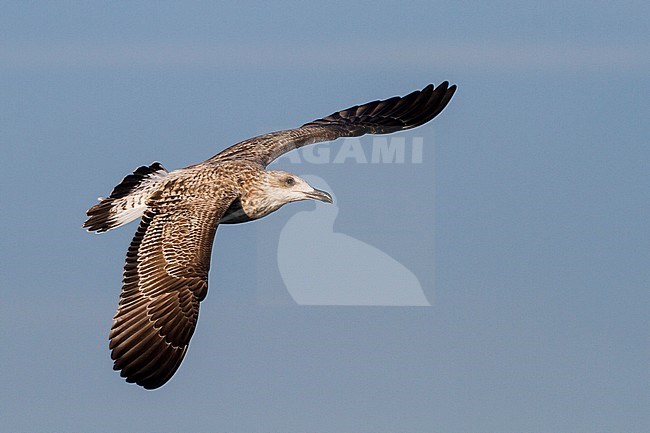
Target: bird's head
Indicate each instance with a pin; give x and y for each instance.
(283, 187)
(275, 188)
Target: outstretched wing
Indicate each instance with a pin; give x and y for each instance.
(377, 117)
(165, 279)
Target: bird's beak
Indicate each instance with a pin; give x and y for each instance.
(319, 195)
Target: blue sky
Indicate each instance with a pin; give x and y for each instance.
(526, 221)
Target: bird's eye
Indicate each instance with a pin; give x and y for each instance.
(290, 181)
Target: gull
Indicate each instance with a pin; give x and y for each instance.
(166, 271)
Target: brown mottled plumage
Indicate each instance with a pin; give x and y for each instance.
(167, 264)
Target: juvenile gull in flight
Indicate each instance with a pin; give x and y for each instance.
(166, 271)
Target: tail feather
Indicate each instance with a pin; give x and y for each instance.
(127, 201)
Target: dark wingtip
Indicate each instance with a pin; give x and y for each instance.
(392, 114)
